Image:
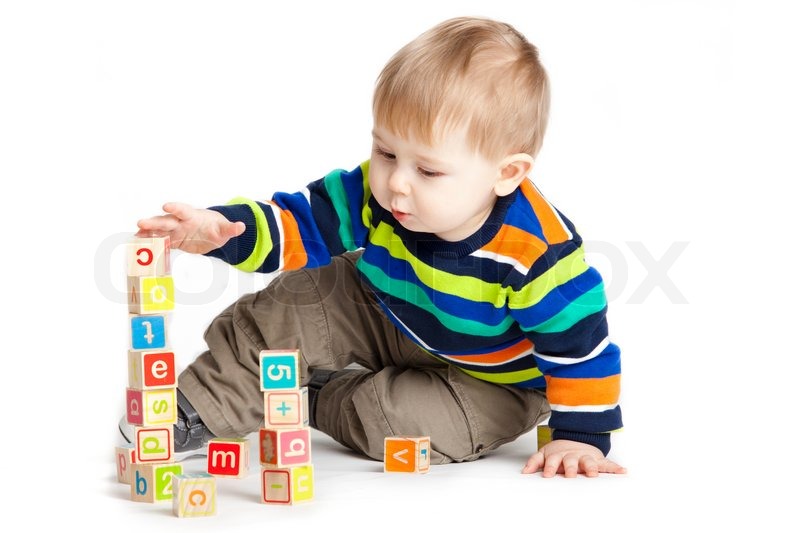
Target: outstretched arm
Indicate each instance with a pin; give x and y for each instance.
(192, 230)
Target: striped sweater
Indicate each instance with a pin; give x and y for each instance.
(515, 303)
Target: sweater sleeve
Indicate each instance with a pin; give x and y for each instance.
(302, 229)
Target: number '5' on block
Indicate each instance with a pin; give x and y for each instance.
(280, 369)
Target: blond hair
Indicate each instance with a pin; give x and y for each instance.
(471, 72)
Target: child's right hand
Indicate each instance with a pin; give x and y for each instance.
(192, 230)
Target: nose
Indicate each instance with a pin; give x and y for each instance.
(398, 183)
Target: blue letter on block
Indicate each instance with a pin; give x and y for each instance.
(148, 332)
(279, 372)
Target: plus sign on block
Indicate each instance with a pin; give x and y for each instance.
(286, 409)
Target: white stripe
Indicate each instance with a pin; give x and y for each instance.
(519, 267)
(307, 195)
(571, 361)
(276, 212)
(583, 408)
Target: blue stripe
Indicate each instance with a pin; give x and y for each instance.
(605, 364)
(587, 422)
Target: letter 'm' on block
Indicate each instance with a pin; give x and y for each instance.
(194, 495)
(280, 369)
(148, 256)
(228, 457)
(407, 454)
(287, 486)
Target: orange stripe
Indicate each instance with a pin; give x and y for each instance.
(294, 253)
(554, 232)
(583, 391)
(517, 244)
(502, 356)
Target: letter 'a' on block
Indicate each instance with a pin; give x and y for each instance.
(148, 256)
(286, 408)
(153, 444)
(124, 459)
(147, 332)
(154, 407)
(228, 457)
(150, 294)
(284, 447)
(280, 369)
(152, 483)
(407, 454)
(287, 486)
(151, 369)
(194, 495)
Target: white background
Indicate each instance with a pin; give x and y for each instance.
(674, 124)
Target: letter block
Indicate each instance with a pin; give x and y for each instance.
(194, 495)
(284, 447)
(287, 485)
(152, 483)
(124, 455)
(286, 409)
(280, 369)
(154, 407)
(148, 332)
(407, 454)
(148, 256)
(151, 369)
(228, 457)
(150, 294)
(153, 444)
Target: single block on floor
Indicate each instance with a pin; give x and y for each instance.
(194, 495)
(228, 457)
(407, 454)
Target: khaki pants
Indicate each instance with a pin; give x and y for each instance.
(334, 321)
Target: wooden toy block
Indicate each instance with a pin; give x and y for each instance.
(153, 444)
(228, 457)
(148, 256)
(544, 434)
(151, 369)
(150, 294)
(152, 483)
(154, 407)
(147, 332)
(280, 369)
(194, 495)
(124, 458)
(287, 485)
(284, 447)
(286, 409)
(407, 454)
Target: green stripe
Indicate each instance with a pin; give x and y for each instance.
(366, 211)
(410, 292)
(567, 268)
(333, 184)
(587, 304)
(263, 244)
(505, 378)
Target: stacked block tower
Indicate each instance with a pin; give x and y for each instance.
(287, 475)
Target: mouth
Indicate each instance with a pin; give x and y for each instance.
(399, 215)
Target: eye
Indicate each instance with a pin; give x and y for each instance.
(428, 173)
(384, 154)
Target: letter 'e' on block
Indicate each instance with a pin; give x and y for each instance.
(228, 457)
(154, 407)
(407, 454)
(151, 369)
(286, 408)
(150, 294)
(148, 256)
(284, 447)
(153, 482)
(124, 459)
(280, 369)
(148, 332)
(194, 495)
(287, 485)
(153, 444)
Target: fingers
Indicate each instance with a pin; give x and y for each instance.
(535, 462)
(570, 465)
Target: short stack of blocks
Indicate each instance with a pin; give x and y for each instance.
(287, 475)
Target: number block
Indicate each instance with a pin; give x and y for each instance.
(153, 444)
(148, 332)
(151, 370)
(287, 485)
(284, 447)
(154, 407)
(148, 256)
(194, 495)
(407, 454)
(153, 482)
(280, 369)
(228, 457)
(286, 409)
(124, 458)
(150, 294)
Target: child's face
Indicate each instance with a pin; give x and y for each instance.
(447, 189)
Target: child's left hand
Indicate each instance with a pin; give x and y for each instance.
(570, 458)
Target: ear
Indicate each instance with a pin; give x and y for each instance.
(513, 169)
